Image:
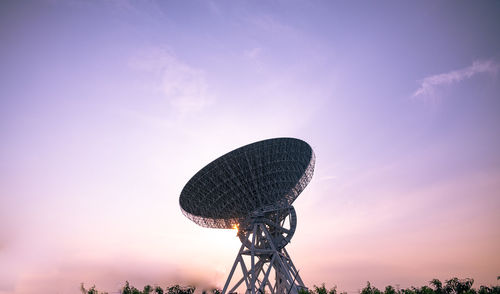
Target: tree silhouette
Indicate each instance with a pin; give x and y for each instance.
(389, 290)
(91, 290)
(369, 289)
(451, 286)
(457, 286)
(158, 290)
(322, 289)
(438, 286)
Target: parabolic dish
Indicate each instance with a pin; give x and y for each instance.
(269, 172)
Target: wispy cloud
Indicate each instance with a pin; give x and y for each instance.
(430, 83)
(253, 53)
(184, 86)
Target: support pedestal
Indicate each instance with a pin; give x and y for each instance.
(265, 268)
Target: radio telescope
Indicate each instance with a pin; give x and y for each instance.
(252, 189)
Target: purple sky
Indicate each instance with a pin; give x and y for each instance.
(107, 108)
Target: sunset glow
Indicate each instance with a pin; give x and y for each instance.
(108, 108)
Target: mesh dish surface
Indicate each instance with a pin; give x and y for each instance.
(273, 171)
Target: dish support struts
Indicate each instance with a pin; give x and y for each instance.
(263, 263)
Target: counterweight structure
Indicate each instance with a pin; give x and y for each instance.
(252, 188)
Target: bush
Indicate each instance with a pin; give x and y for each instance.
(452, 286)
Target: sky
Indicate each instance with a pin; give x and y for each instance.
(107, 108)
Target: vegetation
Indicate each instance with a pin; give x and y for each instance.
(148, 289)
(452, 286)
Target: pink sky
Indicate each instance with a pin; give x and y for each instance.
(108, 108)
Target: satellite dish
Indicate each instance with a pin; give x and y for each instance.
(252, 188)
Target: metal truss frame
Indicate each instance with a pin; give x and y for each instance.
(262, 258)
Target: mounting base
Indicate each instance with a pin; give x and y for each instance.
(259, 260)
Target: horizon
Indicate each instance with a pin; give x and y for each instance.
(108, 108)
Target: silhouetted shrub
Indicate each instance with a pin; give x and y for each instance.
(369, 289)
(452, 286)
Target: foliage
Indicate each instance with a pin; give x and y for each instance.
(91, 290)
(322, 290)
(451, 286)
(133, 290)
(438, 286)
(389, 290)
(369, 289)
(176, 289)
